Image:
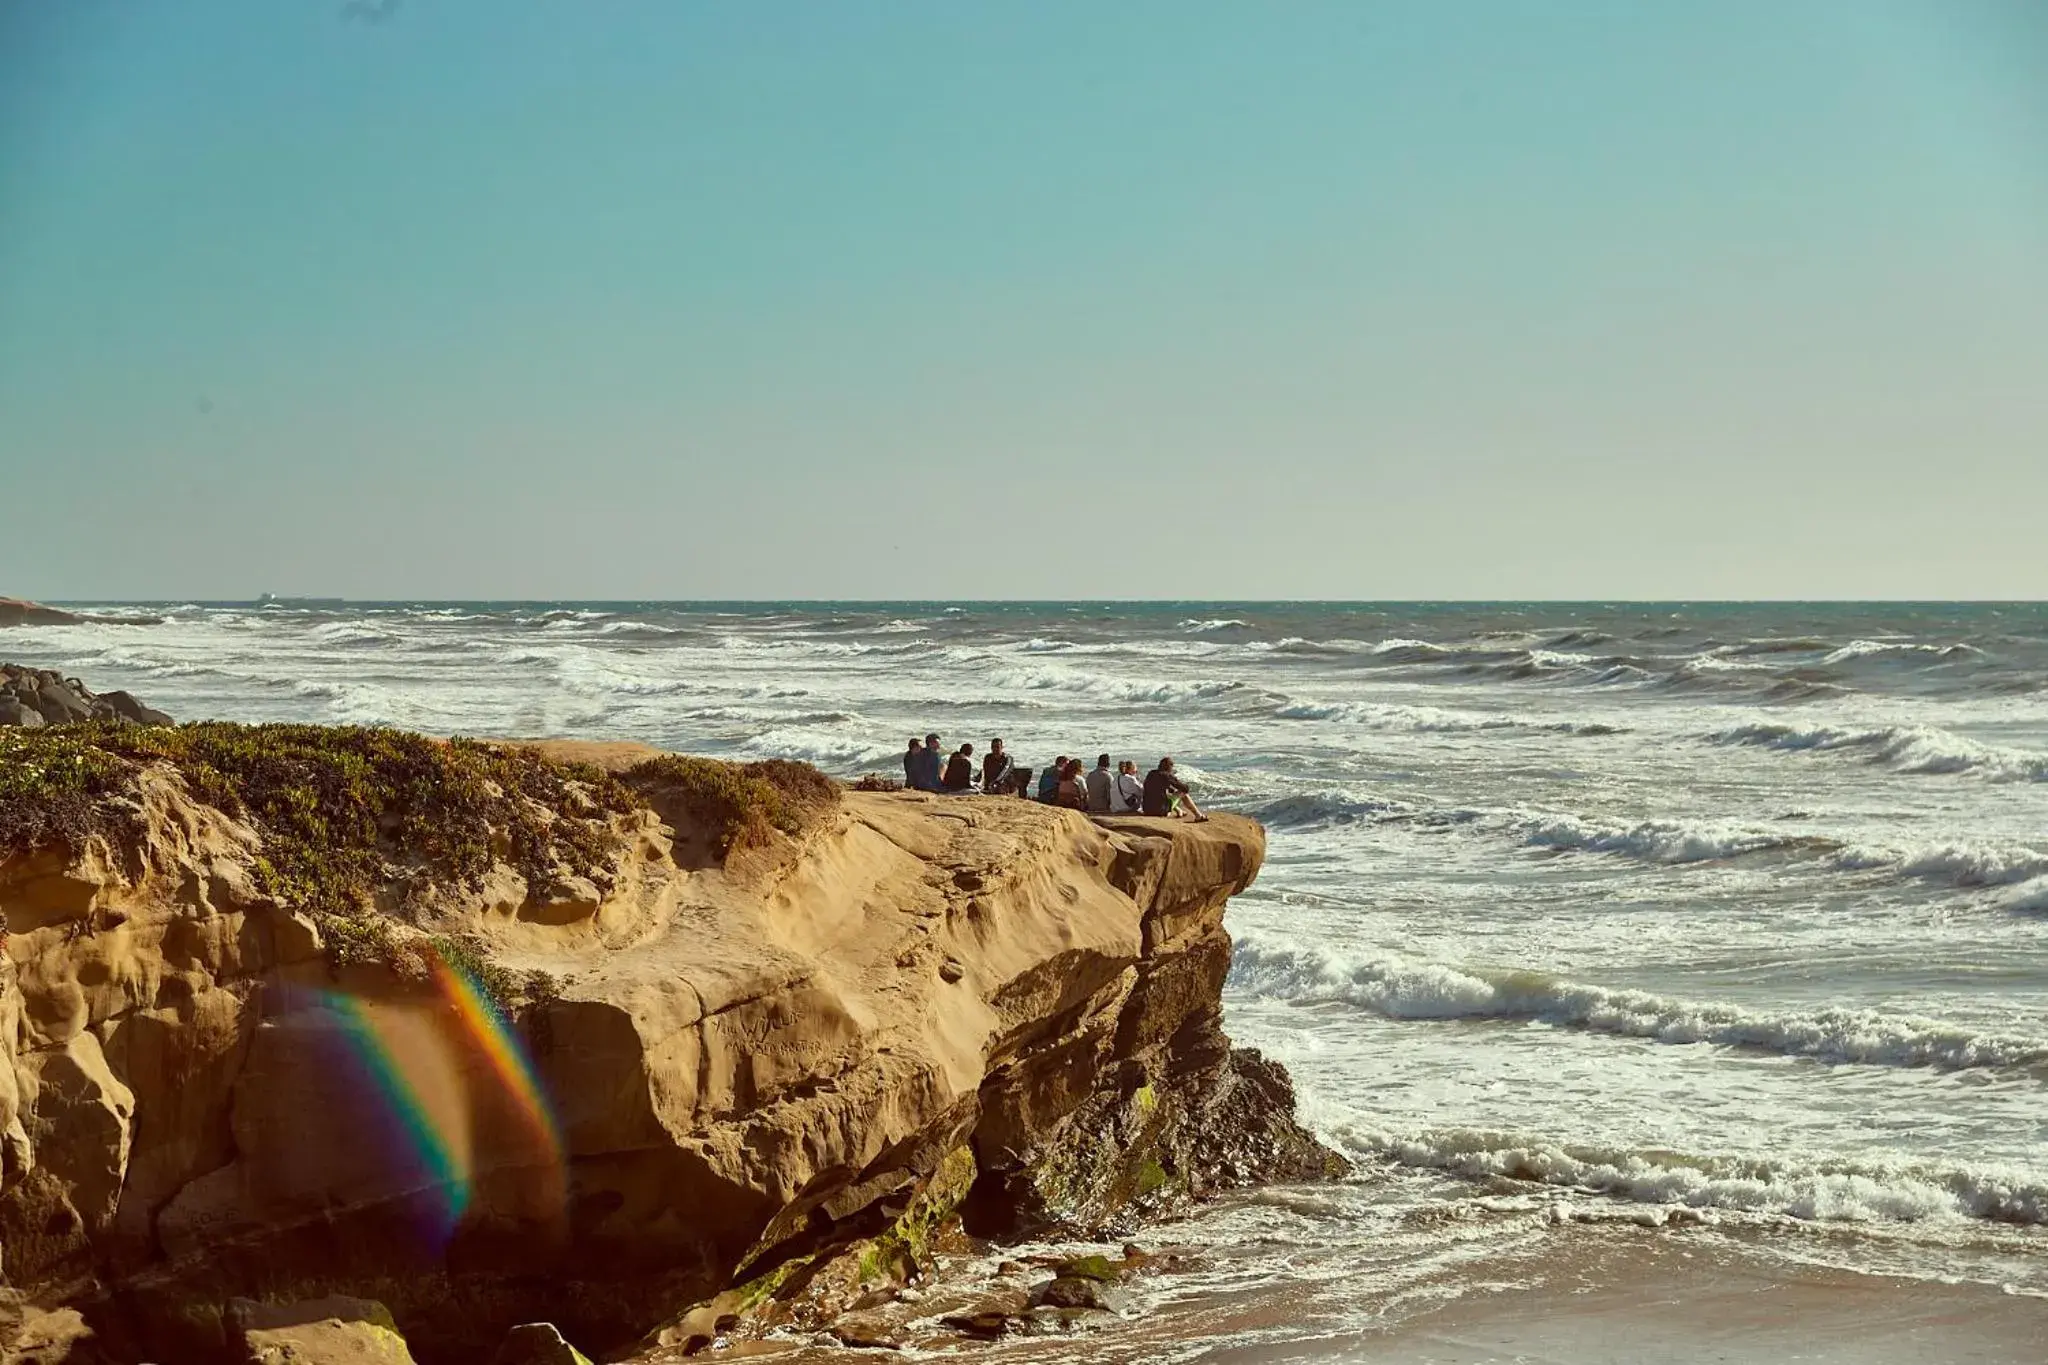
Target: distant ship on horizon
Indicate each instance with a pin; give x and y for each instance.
(271, 599)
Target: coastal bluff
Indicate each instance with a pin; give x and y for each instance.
(645, 1047)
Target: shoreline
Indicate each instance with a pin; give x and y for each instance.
(1633, 1299)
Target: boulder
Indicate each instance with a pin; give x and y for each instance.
(60, 705)
(336, 1330)
(1078, 1291)
(537, 1343)
(15, 711)
(1098, 1268)
(127, 707)
(32, 697)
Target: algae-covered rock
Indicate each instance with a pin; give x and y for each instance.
(1099, 1268)
(1079, 1291)
(537, 1343)
(336, 1330)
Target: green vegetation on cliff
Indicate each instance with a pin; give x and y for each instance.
(352, 817)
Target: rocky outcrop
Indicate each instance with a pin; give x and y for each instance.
(750, 1091)
(14, 611)
(35, 697)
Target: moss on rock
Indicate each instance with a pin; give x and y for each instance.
(354, 820)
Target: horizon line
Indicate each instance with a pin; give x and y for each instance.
(311, 600)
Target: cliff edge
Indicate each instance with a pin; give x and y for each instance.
(621, 1051)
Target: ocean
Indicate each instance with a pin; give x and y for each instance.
(1716, 922)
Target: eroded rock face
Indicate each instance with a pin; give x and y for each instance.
(776, 1078)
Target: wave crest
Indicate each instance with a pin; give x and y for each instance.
(1908, 748)
(1399, 988)
(1824, 1191)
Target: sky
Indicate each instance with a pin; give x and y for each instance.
(943, 299)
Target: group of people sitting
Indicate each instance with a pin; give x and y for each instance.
(1106, 790)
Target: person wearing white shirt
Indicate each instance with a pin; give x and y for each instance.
(1127, 794)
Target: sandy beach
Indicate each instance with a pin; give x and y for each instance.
(1628, 1300)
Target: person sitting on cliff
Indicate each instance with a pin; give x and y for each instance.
(1049, 781)
(1101, 782)
(924, 773)
(1166, 794)
(1073, 789)
(959, 770)
(995, 769)
(910, 762)
(1127, 796)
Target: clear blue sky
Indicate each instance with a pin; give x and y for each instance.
(502, 298)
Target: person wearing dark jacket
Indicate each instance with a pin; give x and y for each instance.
(924, 767)
(959, 770)
(910, 762)
(995, 769)
(1166, 794)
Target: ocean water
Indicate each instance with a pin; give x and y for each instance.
(1725, 920)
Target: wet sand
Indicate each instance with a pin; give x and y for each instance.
(1631, 1303)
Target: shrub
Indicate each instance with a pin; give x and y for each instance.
(737, 806)
(343, 810)
(349, 815)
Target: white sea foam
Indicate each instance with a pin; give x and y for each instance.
(2028, 898)
(1209, 627)
(761, 715)
(1418, 651)
(1959, 864)
(1109, 688)
(1821, 1189)
(1401, 988)
(826, 746)
(351, 633)
(1867, 649)
(642, 629)
(1551, 658)
(1652, 840)
(593, 673)
(1909, 748)
(1305, 809)
(1392, 717)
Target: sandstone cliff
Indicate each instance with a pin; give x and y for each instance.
(751, 1075)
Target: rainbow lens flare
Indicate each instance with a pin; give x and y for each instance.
(427, 1098)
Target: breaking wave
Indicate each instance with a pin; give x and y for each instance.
(1958, 864)
(1307, 809)
(1400, 988)
(1878, 649)
(1908, 748)
(1108, 688)
(1656, 840)
(1820, 1190)
(1392, 717)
